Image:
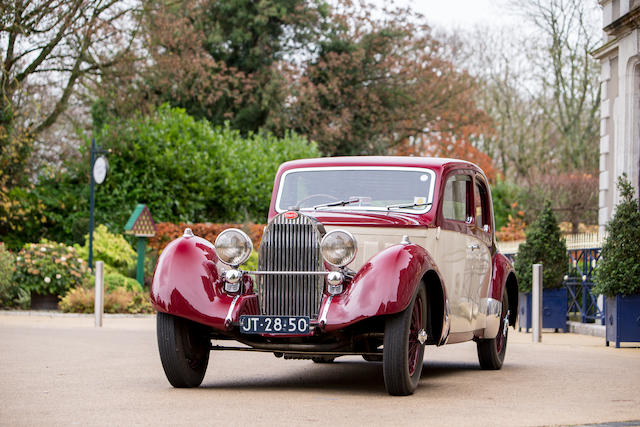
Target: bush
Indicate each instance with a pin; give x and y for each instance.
(120, 300)
(11, 295)
(113, 249)
(49, 268)
(544, 245)
(185, 170)
(167, 232)
(618, 270)
(113, 281)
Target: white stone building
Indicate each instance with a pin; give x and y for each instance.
(620, 110)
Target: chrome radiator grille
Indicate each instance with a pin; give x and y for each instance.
(290, 245)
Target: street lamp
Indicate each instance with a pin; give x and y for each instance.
(99, 168)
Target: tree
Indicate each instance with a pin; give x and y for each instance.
(47, 48)
(218, 60)
(568, 72)
(379, 84)
(619, 266)
(544, 245)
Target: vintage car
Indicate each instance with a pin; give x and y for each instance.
(369, 256)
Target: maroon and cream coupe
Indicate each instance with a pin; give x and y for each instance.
(369, 256)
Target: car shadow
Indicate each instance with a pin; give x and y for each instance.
(342, 376)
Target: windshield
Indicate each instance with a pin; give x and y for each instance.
(357, 188)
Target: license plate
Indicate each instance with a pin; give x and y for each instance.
(274, 324)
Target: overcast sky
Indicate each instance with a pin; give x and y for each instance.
(454, 14)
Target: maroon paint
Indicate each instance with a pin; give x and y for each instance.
(439, 166)
(501, 269)
(187, 283)
(384, 285)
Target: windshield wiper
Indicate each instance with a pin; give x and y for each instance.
(408, 205)
(338, 203)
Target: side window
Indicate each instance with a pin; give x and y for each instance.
(456, 203)
(481, 207)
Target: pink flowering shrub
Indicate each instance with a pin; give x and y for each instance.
(50, 268)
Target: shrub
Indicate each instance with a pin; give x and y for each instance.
(120, 300)
(618, 270)
(544, 245)
(11, 295)
(111, 248)
(113, 281)
(49, 268)
(166, 232)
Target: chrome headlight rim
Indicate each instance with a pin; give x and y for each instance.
(234, 261)
(346, 261)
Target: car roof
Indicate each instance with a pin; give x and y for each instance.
(403, 161)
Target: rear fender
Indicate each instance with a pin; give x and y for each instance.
(188, 283)
(503, 280)
(385, 285)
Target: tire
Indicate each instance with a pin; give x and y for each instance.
(184, 348)
(402, 352)
(491, 351)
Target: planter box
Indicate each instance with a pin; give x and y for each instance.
(44, 302)
(623, 319)
(554, 309)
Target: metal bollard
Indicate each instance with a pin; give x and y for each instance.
(99, 299)
(536, 303)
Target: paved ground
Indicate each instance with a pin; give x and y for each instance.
(63, 371)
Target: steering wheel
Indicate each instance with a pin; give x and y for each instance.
(312, 196)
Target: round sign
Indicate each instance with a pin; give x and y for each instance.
(100, 168)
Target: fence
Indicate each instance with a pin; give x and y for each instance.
(584, 253)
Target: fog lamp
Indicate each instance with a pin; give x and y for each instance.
(334, 282)
(232, 280)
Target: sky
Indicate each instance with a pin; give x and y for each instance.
(455, 14)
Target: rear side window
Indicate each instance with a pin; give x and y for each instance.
(456, 203)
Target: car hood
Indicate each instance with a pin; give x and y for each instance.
(369, 219)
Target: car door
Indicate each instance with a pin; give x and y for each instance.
(481, 247)
(455, 248)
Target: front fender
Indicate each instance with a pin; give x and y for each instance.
(188, 283)
(384, 285)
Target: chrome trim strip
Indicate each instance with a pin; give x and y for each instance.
(325, 310)
(287, 273)
(368, 208)
(227, 320)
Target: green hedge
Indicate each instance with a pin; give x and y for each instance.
(184, 169)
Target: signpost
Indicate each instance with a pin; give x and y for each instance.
(99, 168)
(141, 225)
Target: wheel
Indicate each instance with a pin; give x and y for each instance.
(402, 352)
(370, 358)
(491, 351)
(184, 350)
(323, 359)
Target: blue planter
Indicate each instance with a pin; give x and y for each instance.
(623, 319)
(554, 309)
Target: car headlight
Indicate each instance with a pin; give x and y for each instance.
(338, 247)
(233, 246)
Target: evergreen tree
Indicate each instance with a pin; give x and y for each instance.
(544, 245)
(619, 267)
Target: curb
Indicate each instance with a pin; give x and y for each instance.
(54, 313)
(586, 329)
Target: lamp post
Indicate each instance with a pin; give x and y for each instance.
(99, 168)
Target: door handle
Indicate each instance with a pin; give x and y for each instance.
(474, 247)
